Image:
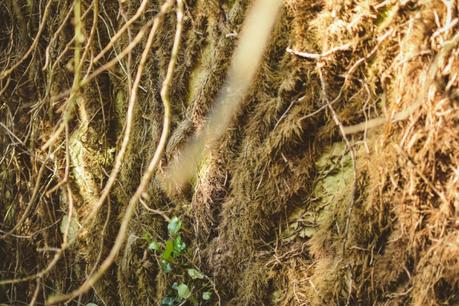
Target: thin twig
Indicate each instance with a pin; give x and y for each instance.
(35, 294)
(130, 112)
(146, 176)
(137, 39)
(403, 115)
(115, 37)
(349, 74)
(155, 211)
(317, 56)
(29, 205)
(70, 103)
(34, 44)
(55, 35)
(56, 257)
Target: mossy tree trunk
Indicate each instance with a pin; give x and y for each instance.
(336, 183)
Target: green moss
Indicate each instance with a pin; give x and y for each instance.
(82, 173)
(70, 227)
(202, 171)
(88, 158)
(386, 16)
(336, 173)
(199, 74)
(120, 105)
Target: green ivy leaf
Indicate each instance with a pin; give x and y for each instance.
(174, 226)
(168, 250)
(168, 301)
(195, 274)
(206, 295)
(179, 245)
(167, 268)
(154, 246)
(183, 291)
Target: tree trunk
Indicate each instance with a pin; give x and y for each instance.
(333, 179)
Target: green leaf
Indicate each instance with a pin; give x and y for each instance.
(193, 300)
(195, 274)
(183, 291)
(147, 236)
(167, 268)
(168, 250)
(154, 246)
(179, 245)
(206, 295)
(91, 304)
(168, 301)
(174, 226)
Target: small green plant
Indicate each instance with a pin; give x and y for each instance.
(188, 284)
